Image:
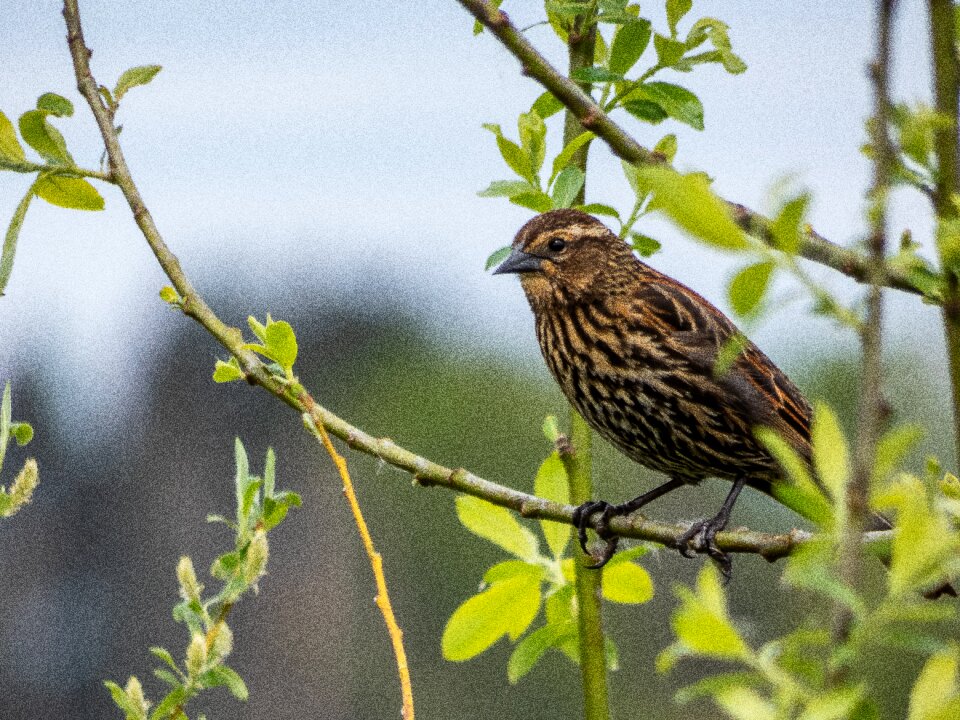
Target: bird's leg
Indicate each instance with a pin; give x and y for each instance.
(702, 535)
(581, 518)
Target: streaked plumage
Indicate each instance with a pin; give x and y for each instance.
(635, 352)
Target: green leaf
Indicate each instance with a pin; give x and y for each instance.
(163, 710)
(498, 525)
(530, 649)
(68, 192)
(223, 675)
(594, 74)
(10, 239)
(629, 42)
(282, 342)
(497, 257)
(676, 9)
(563, 159)
(835, 704)
(551, 484)
(644, 244)
(22, 432)
(551, 430)
(168, 677)
(669, 51)
(506, 188)
(678, 102)
(257, 328)
(537, 201)
(44, 137)
(935, 687)
(122, 700)
(628, 583)
(164, 655)
(533, 133)
(509, 569)
(744, 703)
(646, 110)
(749, 286)
(225, 372)
(10, 148)
(786, 230)
(169, 295)
(546, 105)
(598, 209)
(515, 157)
(893, 448)
(140, 75)
(799, 493)
(701, 622)
(568, 184)
(690, 202)
(506, 608)
(811, 566)
(242, 477)
(55, 105)
(667, 146)
(830, 456)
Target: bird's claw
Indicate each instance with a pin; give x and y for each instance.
(581, 520)
(702, 538)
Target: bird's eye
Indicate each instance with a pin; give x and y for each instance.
(557, 244)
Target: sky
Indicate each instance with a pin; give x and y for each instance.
(328, 148)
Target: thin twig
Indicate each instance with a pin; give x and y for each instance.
(376, 562)
(813, 246)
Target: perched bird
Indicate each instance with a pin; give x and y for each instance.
(635, 352)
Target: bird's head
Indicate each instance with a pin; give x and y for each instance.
(564, 253)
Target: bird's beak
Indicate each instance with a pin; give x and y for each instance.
(519, 262)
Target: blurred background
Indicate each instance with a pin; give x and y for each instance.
(321, 163)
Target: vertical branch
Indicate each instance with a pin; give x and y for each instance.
(872, 404)
(593, 661)
(946, 81)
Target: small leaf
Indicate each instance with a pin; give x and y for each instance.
(225, 372)
(533, 133)
(10, 148)
(164, 655)
(893, 448)
(509, 569)
(223, 675)
(676, 9)
(497, 257)
(506, 188)
(282, 342)
(563, 159)
(667, 146)
(22, 432)
(594, 74)
(169, 295)
(546, 105)
(830, 456)
(567, 186)
(628, 583)
(68, 192)
(515, 157)
(702, 625)
(646, 110)
(935, 687)
(669, 51)
(599, 209)
(140, 75)
(644, 244)
(678, 102)
(629, 42)
(528, 651)
(257, 328)
(690, 202)
(537, 201)
(507, 607)
(9, 251)
(44, 137)
(744, 703)
(551, 484)
(54, 104)
(551, 431)
(786, 230)
(749, 286)
(166, 706)
(498, 525)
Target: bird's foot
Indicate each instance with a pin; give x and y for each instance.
(581, 520)
(702, 538)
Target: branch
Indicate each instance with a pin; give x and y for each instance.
(813, 246)
(376, 563)
(424, 471)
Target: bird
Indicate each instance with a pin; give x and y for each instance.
(636, 354)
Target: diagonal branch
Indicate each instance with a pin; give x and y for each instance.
(424, 471)
(813, 246)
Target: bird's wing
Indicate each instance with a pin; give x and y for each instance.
(758, 389)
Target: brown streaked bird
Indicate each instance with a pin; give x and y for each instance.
(635, 353)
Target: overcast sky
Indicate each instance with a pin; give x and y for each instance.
(281, 150)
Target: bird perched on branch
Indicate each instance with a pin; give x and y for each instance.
(636, 353)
